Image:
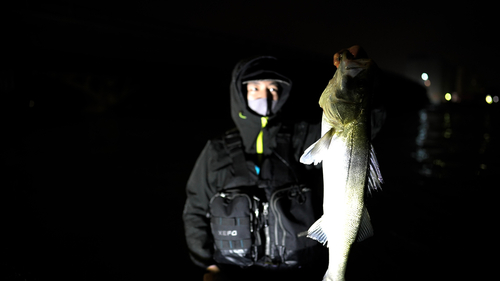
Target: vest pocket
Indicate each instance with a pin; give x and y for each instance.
(231, 225)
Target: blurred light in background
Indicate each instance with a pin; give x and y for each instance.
(489, 99)
(447, 96)
(424, 76)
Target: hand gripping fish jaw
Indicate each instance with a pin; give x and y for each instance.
(344, 100)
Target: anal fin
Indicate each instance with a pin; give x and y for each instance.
(365, 229)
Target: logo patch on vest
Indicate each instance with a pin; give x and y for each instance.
(228, 232)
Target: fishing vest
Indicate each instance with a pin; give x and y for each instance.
(261, 218)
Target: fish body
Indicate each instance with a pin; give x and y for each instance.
(349, 162)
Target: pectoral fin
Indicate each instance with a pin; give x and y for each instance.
(315, 152)
(316, 232)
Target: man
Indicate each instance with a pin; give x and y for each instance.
(270, 149)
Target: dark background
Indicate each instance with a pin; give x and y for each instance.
(106, 106)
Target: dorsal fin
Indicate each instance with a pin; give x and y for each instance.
(374, 176)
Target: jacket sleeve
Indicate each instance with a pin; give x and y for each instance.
(196, 224)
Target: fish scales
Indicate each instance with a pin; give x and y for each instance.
(348, 160)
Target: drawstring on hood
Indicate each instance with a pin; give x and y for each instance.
(257, 132)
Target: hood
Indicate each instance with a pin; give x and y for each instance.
(249, 123)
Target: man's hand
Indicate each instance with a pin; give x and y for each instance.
(355, 50)
(212, 274)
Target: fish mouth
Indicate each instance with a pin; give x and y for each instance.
(347, 101)
(337, 100)
(356, 64)
(354, 67)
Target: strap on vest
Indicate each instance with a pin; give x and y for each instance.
(235, 148)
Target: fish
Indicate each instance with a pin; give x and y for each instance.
(349, 161)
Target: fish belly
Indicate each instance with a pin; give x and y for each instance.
(342, 205)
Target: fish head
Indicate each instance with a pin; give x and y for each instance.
(348, 92)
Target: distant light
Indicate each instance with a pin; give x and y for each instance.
(495, 99)
(427, 83)
(447, 96)
(32, 103)
(489, 99)
(424, 76)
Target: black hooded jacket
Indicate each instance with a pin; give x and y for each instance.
(214, 170)
(247, 121)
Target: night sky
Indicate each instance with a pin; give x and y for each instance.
(390, 31)
(461, 32)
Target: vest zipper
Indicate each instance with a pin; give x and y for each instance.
(265, 213)
(256, 233)
(278, 223)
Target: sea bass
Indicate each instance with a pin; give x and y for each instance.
(349, 162)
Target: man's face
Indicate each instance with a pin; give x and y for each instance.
(262, 90)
